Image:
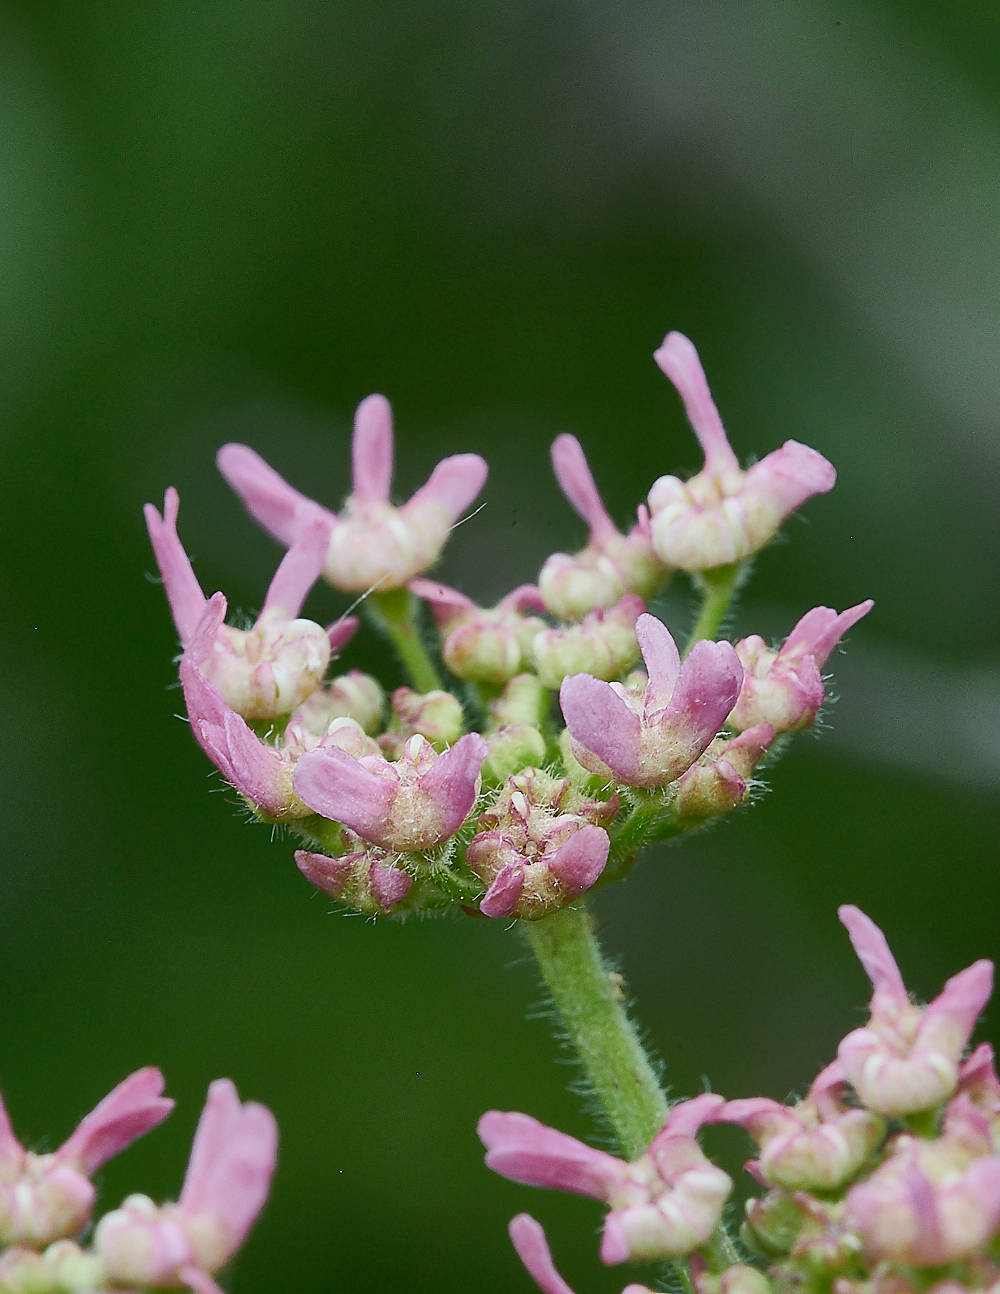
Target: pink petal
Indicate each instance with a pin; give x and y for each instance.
(707, 688)
(268, 498)
(11, 1150)
(961, 999)
(452, 780)
(327, 874)
(198, 1281)
(751, 1110)
(787, 477)
(873, 953)
(453, 484)
(504, 894)
(446, 603)
(342, 631)
(388, 885)
(371, 450)
(527, 1151)
(820, 629)
(532, 1248)
(978, 1068)
(678, 358)
(600, 721)
(574, 476)
(614, 1242)
(187, 601)
(687, 1117)
(333, 783)
(255, 768)
(579, 862)
(300, 568)
(127, 1112)
(526, 597)
(663, 660)
(232, 1161)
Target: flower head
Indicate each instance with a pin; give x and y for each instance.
(665, 1204)
(268, 670)
(372, 543)
(484, 646)
(612, 564)
(724, 514)
(785, 688)
(44, 1198)
(651, 739)
(907, 1057)
(603, 645)
(227, 1181)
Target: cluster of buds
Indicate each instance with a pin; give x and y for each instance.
(472, 792)
(883, 1179)
(47, 1200)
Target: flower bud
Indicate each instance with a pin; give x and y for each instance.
(435, 715)
(353, 695)
(720, 781)
(62, 1269)
(512, 747)
(483, 646)
(365, 878)
(49, 1200)
(539, 847)
(523, 700)
(604, 645)
(738, 1279)
(774, 1223)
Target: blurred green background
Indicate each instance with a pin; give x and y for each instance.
(223, 220)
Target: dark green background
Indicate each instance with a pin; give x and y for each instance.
(224, 220)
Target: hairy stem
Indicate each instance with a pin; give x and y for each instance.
(602, 1035)
(717, 586)
(395, 611)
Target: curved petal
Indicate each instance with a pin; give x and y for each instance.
(526, 597)
(334, 784)
(269, 499)
(678, 358)
(389, 885)
(952, 1016)
(663, 661)
(452, 781)
(600, 721)
(453, 485)
(528, 1239)
(300, 568)
(328, 874)
(504, 894)
(578, 862)
(521, 1148)
(786, 477)
(342, 631)
(820, 629)
(446, 603)
(707, 688)
(127, 1112)
(874, 954)
(197, 1281)
(371, 450)
(187, 601)
(687, 1117)
(577, 483)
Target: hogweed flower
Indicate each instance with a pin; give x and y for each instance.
(364, 877)
(906, 1059)
(663, 1205)
(44, 1198)
(650, 740)
(372, 543)
(724, 514)
(721, 779)
(268, 670)
(528, 1238)
(612, 564)
(227, 1181)
(415, 803)
(816, 1145)
(484, 645)
(539, 846)
(785, 688)
(603, 645)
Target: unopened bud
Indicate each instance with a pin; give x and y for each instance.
(720, 781)
(353, 695)
(774, 1223)
(484, 645)
(738, 1279)
(523, 700)
(435, 715)
(48, 1201)
(63, 1268)
(512, 747)
(604, 645)
(365, 879)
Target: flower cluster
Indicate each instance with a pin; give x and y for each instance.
(546, 758)
(883, 1179)
(47, 1200)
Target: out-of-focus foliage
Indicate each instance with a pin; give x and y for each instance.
(225, 220)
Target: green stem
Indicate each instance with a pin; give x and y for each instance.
(602, 1035)
(718, 586)
(395, 611)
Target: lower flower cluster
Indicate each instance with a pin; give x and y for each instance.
(47, 1200)
(883, 1179)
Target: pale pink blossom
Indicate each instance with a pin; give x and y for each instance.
(364, 877)
(724, 514)
(816, 1145)
(415, 803)
(484, 645)
(665, 1204)
(721, 779)
(907, 1057)
(227, 1181)
(268, 670)
(372, 544)
(540, 846)
(603, 644)
(612, 564)
(528, 1239)
(650, 739)
(785, 688)
(44, 1198)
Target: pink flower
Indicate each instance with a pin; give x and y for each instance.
(532, 1248)
(906, 1058)
(485, 646)
(603, 645)
(364, 877)
(612, 564)
(785, 688)
(46, 1197)
(665, 1204)
(724, 514)
(268, 670)
(817, 1145)
(413, 804)
(227, 1181)
(539, 846)
(372, 543)
(651, 739)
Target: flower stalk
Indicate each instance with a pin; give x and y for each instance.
(395, 612)
(718, 586)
